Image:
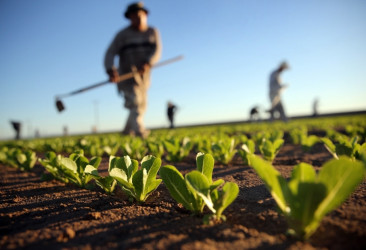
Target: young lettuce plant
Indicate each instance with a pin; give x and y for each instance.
(197, 189)
(137, 183)
(52, 163)
(23, 160)
(246, 149)
(155, 147)
(111, 149)
(224, 150)
(307, 197)
(308, 141)
(135, 148)
(345, 147)
(71, 169)
(107, 183)
(270, 149)
(177, 150)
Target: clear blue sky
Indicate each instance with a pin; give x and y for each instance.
(230, 48)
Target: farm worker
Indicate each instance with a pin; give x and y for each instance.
(170, 112)
(138, 47)
(17, 127)
(275, 89)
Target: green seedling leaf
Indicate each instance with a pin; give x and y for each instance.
(121, 177)
(340, 177)
(246, 149)
(224, 197)
(199, 186)
(108, 184)
(308, 197)
(137, 183)
(273, 180)
(205, 165)
(91, 170)
(216, 184)
(69, 164)
(329, 145)
(21, 158)
(145, 180)
(176, 186)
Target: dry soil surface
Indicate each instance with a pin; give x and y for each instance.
(53, 215)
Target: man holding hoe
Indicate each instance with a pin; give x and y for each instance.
(138, 47)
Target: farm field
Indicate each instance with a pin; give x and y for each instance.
(42, 214)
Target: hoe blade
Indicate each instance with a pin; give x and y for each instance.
(60, 106)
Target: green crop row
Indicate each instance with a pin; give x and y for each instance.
(135, 164)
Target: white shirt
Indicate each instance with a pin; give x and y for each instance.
(275, 87)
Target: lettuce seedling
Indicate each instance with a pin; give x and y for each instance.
(270, 149)
(137, 183)
(23, 160)
(345, 147)
(156, 148)
(307, 197)
(197, 189)
(272, 136)
(204, 145)
(52, 163)
(308, 141)
(246, 149)
(297, 133)
(224, 150)
(176, 149)
(91, 146)
(72, 168)
(111, 149)
(107, 183)
(135, 148)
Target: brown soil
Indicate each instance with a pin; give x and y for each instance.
(54, 215)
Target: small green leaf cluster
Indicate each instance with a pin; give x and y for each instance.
(111, 149)
(91, 146)
(177, 149)
(300, 136)
(197, 189)
(307, 197)
(268, 135)
(224, 150)
(345, 146)
(135, 148)
(136, 183)
(247, 149)
(17, 158)
(155, 147)
(269, 149)
(107, 183)
(73, 169)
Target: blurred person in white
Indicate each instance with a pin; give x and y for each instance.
(275, 90)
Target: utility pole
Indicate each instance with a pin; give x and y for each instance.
(96, 116)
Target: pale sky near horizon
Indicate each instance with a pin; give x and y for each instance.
(229, 47)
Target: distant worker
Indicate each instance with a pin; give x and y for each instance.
(171, 112)
(17, 127)
(315, 107)
(275, 89)
(254, 113)
(138, 47)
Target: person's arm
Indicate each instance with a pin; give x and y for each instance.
(109, 60)
(154, 58)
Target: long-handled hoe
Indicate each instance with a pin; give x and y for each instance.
(60, 106)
